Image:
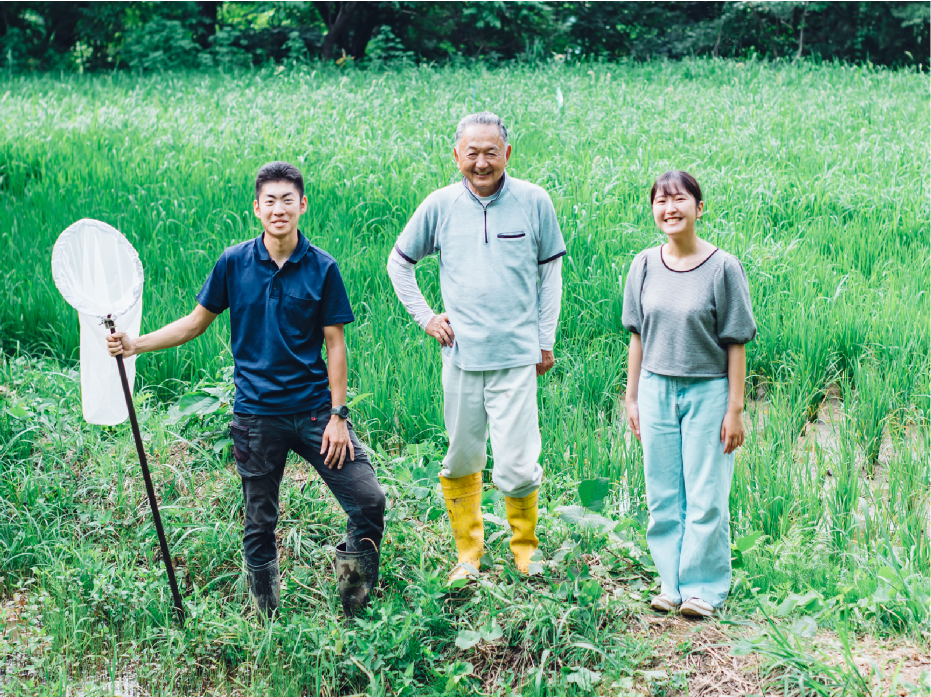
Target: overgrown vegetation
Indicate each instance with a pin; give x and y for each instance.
(90, 603)
(815, 176)
(147, 36)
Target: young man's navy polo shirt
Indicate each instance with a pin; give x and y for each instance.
(276, 323)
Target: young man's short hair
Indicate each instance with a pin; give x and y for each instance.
(279, 172)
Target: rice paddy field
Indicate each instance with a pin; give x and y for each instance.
(815, 176)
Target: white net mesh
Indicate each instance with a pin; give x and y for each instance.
(99, 273)
(96, 269)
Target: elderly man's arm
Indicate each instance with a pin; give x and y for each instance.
(401, 272)
(550, 300)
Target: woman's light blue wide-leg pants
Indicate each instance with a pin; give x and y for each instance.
(688, 484)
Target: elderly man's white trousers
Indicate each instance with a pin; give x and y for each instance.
(497, 403)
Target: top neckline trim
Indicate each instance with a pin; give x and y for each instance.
(490, 199)
(686, 270)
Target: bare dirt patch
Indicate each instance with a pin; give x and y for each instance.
(891, 666)
(703, 651)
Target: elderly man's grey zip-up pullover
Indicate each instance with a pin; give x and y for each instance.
(490, 253)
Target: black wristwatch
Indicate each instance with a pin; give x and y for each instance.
(342, 412)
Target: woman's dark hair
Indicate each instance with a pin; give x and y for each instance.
(279, 172)
(676, 182)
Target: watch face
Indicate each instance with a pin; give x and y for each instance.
(342, 412)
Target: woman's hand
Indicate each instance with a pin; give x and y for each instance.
(732, 430)
(633, 416)
(634, 359)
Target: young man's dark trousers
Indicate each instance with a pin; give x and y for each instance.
(261, 446)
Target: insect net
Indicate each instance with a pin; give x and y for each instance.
(99, 274)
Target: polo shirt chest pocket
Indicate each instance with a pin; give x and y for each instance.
(513, 236)
(516, 250)
(297, 314)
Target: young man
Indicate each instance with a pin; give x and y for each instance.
(500, 252)
(286, 299)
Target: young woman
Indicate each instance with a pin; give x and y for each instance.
(687, 306)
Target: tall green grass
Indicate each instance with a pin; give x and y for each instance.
(816, 177)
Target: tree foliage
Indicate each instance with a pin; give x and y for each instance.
(157, 35)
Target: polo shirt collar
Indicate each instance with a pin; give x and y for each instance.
(302, 246)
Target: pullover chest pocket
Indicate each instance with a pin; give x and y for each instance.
(297, 315)
(511, 235)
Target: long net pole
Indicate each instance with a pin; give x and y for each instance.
(150, 490)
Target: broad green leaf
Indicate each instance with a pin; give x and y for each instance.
(584, 678)
(884, 594)
(420, 492)
(17, 411)
(888, 574)
(590, 592)
(198, 403)
(787, 606)
(746, 543)
(174, 416)
(420, 449)
(488, 517)
(654, 674)
(490, 497)
(457, 584)
(222, 443)
(467, 639)
(811, 601)
(805, 627)
(491, 632)
(577, 515)
(592, 492)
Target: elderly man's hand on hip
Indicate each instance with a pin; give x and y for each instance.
(441, 330)
(548, 362)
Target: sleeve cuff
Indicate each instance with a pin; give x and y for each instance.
(210, 307)
(330, 321)
(552, 258)
(403, 255)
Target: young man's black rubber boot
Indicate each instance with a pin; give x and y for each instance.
(265, 588)
(356, 576)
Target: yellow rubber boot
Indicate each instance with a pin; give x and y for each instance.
(522, 515)
(464, 504)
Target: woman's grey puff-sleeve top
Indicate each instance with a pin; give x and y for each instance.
(686, 319)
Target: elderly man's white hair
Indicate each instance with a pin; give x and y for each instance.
(482, 118)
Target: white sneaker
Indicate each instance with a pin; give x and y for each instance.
(697, 608)
(663, 603)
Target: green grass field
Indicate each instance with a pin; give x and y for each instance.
(816, 177)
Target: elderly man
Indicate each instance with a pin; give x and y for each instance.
(500, 252)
